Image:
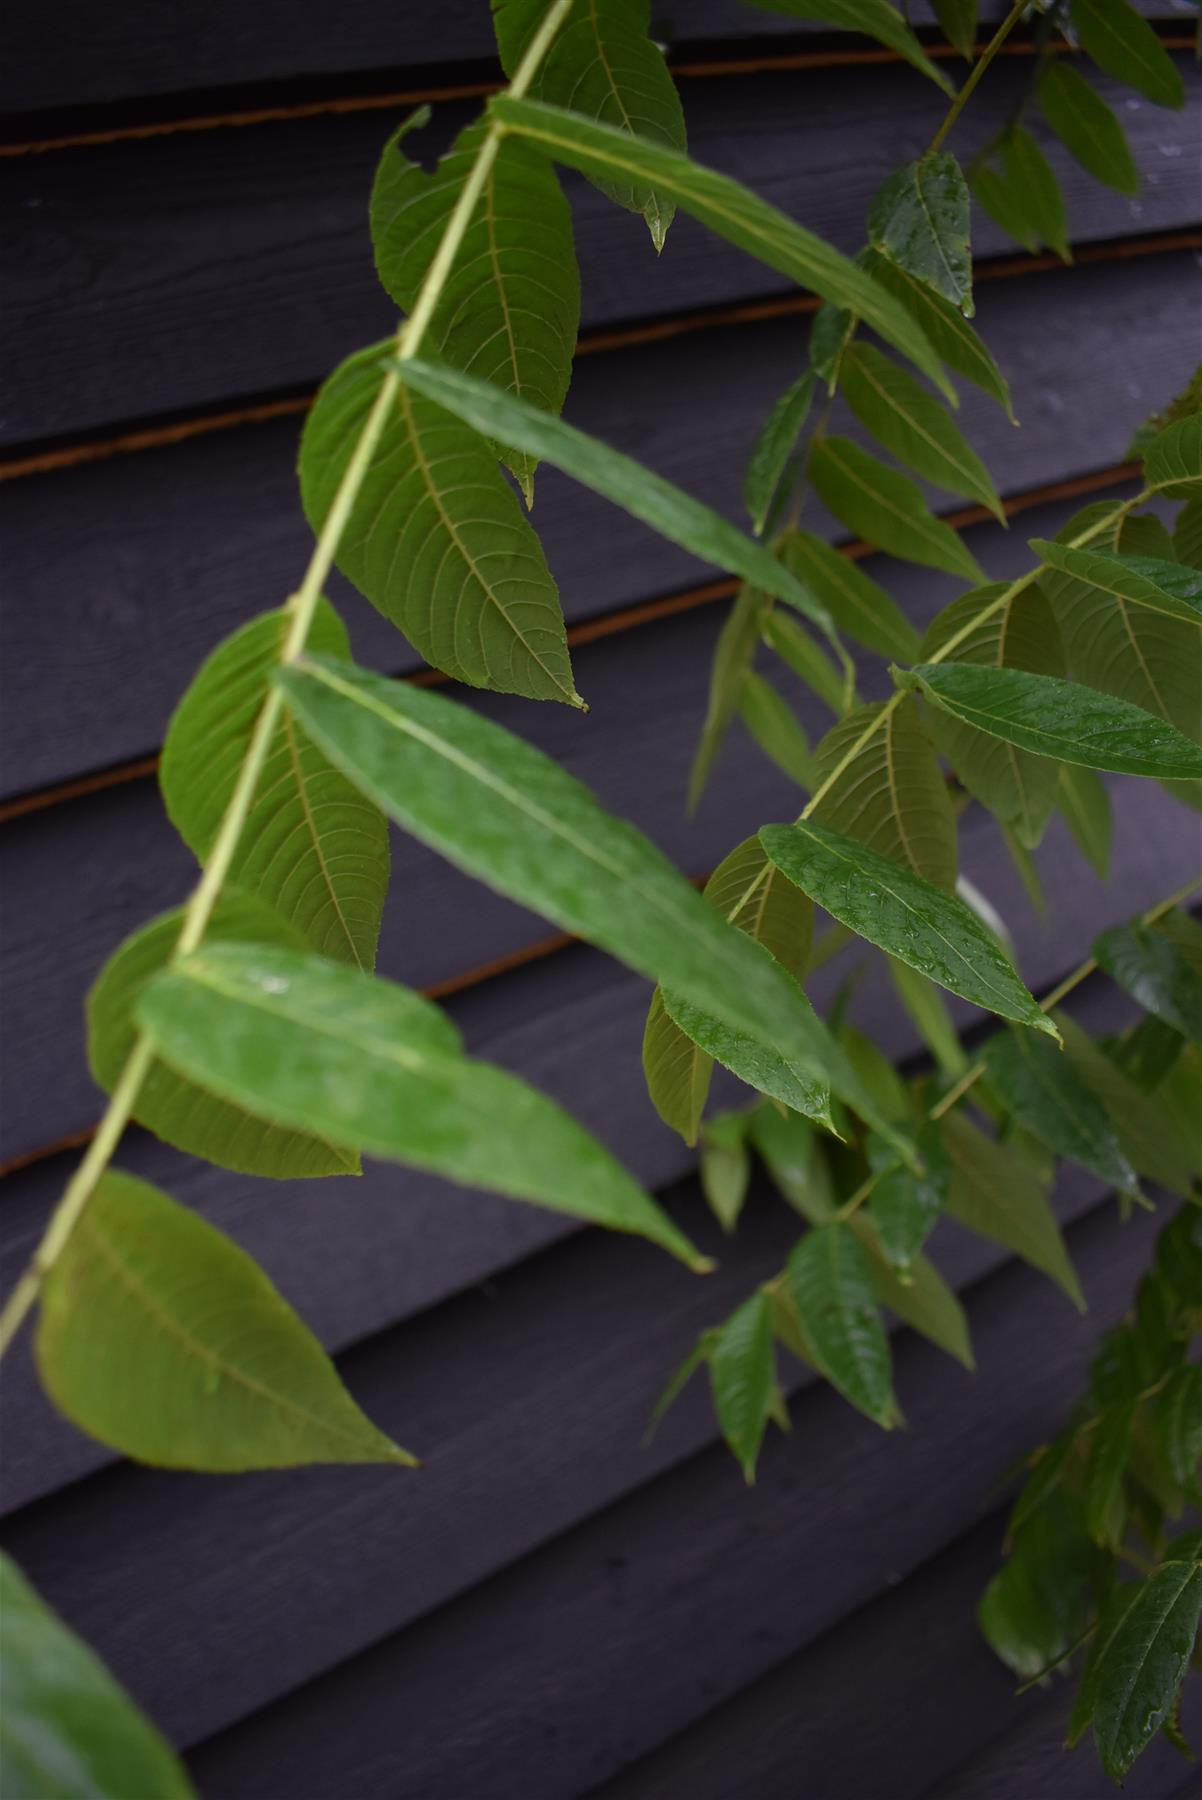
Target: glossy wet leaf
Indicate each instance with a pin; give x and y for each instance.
(1155, 973)
(1144, 1663)
(301, 1039)
(163, 1339)
(1088, 128)
(437, 540)
(891, 794)
(942, 322)
(728, 209)
(604, 64)
(904, 1206)
(1084, 800)
(176, 1110)
(794, 1082)
(830, 1280)
(1023, 195)
(732, 660)
(920, 221)
(788, 638)
(913, 425)
(1038, 1084)
(1148, 1136)
(508, 815)
(874, 18)
(510, 309)
(311, 846)
(742, 1368)
(773, 451)
(68, 1729)
(886, 508)
(1000, 1191)
(1173, 460)
(775, 727)
(895, 909)
(1124, 45)
(1060, 719)
(859, 606)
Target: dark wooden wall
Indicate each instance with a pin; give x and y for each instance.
(547, 1609)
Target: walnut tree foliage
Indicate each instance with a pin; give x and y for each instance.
(247, 1027)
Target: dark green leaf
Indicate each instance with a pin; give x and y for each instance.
(1146, 1052)
(509, 311)
(1023, 196)
(733, 657)
(1000, 1191)
(162, 1338)
(830, 1279)
(1039, 1085)
(1147, 1134)
(1177, 1428)
(725, 1167)
(919, 220)
(1155, 973)
(743, 1378)
(755, 1060)
(1042, 1602)
(857, 604)
(830, 333)
(1169, 589)
(1061, 719)
(925, 1005)
(68, 1731)
(1173, 460)
(1143, 534)
(301, 1041)
(1187, 534)
(774, 726)
(1083, 798)
(796, 648)
(877, 1074)
(1109, 1446)
(944, 325)
(750, 892)
(904, 1206)
(912, 425)
(1124, 45)
(1113, 1610)
(773, 449)
(958, 23)
(931, 930)
(885, 508)
(792, 1154)
(311, 846)
(678, 1381)
(875, 18)
(1144, 1663)
(1086, 126)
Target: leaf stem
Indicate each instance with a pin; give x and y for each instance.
(975, 73)
(302, 606)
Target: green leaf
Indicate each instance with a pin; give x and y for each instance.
(1105, 1505)
(877, 1074)
(68, 1729)
(176, 1110)
(1041, 1603)
(677, 1071)
(743, 1378)
(874, 18)
(1187, 534)
(886, 508)
(1147, 1134)
(891, 795)
(1177, 1428)
(790, 640)
(946, 328)
(1173, 460)
(774, 726)
(858, 605)
(162, 1338)
(1124, 45)
(1086, 126)
(733, 657)
(674, 514)
(1060, 719)
(751, 893)
(895, 909)
(1184, 403)
(1165, 588)
(604, 65)
(1021, 633)
(920, 221)
(437, 540)
(924, 1301)
(904, 1206)
(501, 810)
(755, 1060)
(925, 1005)
(301, 1040)
(509, 312)
(1039, 1085)
(1000, 1192)
(790, 1150)
(1114, 1608)
(728, 209)
(311, 846)
(1144, 1663)
(1146, 1052)
(830, 1279)
(773, 449)
(1084, 800)
(725, 1167)
(1024, 196)
(1143, 534)
(830, 333)
(1155, 973)
(912, 425)
(958, 23)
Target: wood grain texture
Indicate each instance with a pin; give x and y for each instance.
(121, 575)
(193, 270)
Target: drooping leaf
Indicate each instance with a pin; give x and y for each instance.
(773, 450)
(790, 640)
(792, 1153)
(1110, 1615)
(775, 727)
(886, 508)
(509, 311)
(68, 1729)
(830, 1280)
(913, 426)
(1000, 1191)
(895, 909)
(677, 1071)
(1144, 1663)
(300, 1040)
(944, 325)
(1041, 1088)
(1187, 534)
(923, 1301)
(725, 1166)
(1021, 633)
(604, 65)
(1105, 1505)
(858, 605)
(221, 1131)
(1084, 799)
(1173, 460)
(311, 846)
(1043, 1600)
(920, 221)
(732, 660)
(728, 209)
(437, 540)
(1060, 719)
(877, 1074)
(958, 23)
(1153, 971)
(754, 1060)
(891, 795)
(678, 1381)
(925, 1005)
(1023, 196)
(1147, 1134)
(1086, 126)
(510, 816)
(1124, 45)
(743, 1378)
(904, 1206)
(163, 1339)
(875, 18)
